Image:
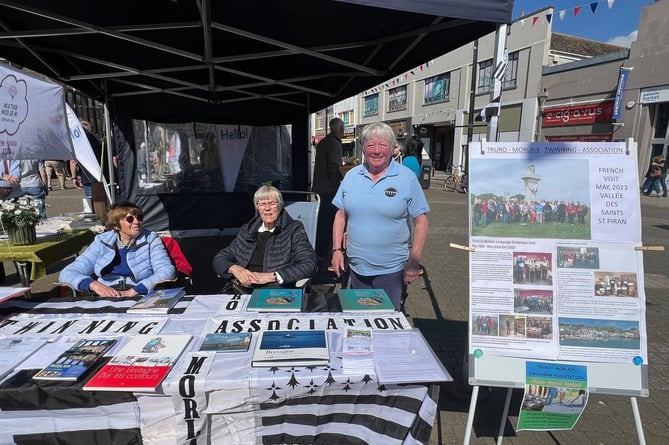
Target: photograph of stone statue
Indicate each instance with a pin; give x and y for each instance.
(539, 197)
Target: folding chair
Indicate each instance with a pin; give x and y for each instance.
(184, 269)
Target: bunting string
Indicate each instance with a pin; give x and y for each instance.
(570, 12)
(399, 79)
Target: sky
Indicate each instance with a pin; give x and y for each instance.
(617, 25)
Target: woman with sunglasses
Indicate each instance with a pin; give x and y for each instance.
(124, 261)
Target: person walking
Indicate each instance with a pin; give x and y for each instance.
(662, 162)
(56, 167)
(327, 177)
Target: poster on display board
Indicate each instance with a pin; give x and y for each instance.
(555, 273)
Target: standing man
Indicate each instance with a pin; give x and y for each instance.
(327, 177)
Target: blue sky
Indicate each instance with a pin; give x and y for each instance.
(617, 25)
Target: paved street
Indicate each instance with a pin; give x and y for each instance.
(438, 306)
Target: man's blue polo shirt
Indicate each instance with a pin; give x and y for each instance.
(378, 213)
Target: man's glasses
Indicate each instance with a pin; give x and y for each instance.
(268, 204)
(130, 218)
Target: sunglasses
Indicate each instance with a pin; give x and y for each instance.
(130, 219)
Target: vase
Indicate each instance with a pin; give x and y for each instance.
(22, 235)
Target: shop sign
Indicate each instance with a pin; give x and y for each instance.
(604, 137)
(654, 95)
(578, 115)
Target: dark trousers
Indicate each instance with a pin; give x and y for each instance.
(326, 214)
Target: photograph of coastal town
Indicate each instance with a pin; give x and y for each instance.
(597, 333)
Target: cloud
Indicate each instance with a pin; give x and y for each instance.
(625, 41)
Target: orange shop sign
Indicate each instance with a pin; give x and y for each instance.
(578, 115)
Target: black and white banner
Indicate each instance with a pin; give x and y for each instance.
(209, 398)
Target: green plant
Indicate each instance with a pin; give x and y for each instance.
(19, 212)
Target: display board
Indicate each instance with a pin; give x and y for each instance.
(556, 269)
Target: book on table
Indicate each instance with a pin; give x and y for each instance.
(226, 342)
(275, 300)
(140, 365)
(291, 348)
(7, 292)
(15, 350)
(76, 359)
(158, 301)
(365, 300)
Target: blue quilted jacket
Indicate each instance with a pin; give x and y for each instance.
(147, 259)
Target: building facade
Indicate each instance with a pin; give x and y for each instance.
(556, 88)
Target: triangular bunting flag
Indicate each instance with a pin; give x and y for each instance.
(562, 14)
(534, 20)
(593, 7)
(549, 17)
(611, 2)
(577, 10)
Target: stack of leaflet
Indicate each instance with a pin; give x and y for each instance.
(358, 352)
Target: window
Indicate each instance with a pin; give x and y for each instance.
(347, 117)
(511, 72)
(319, 121)
(372, 105)
(485, 77)
(397, 98)
(437, 88)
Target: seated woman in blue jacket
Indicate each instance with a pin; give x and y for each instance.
(270, 250)
(124, 261)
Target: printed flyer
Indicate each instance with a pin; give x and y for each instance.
(556, 273)
(555, 396)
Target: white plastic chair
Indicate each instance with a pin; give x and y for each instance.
(304, 210)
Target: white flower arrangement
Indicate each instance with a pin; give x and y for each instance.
(19, 212)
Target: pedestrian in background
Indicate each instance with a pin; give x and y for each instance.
(414, 150)
(33, 182)
(57, 167)
(327, 177)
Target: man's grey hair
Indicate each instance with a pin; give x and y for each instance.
(337, 125)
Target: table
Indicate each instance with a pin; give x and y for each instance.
(236, 403)
(45, 252)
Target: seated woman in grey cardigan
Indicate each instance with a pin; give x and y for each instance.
(124, 261)
(271, 250)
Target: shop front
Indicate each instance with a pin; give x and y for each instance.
(588, 122)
